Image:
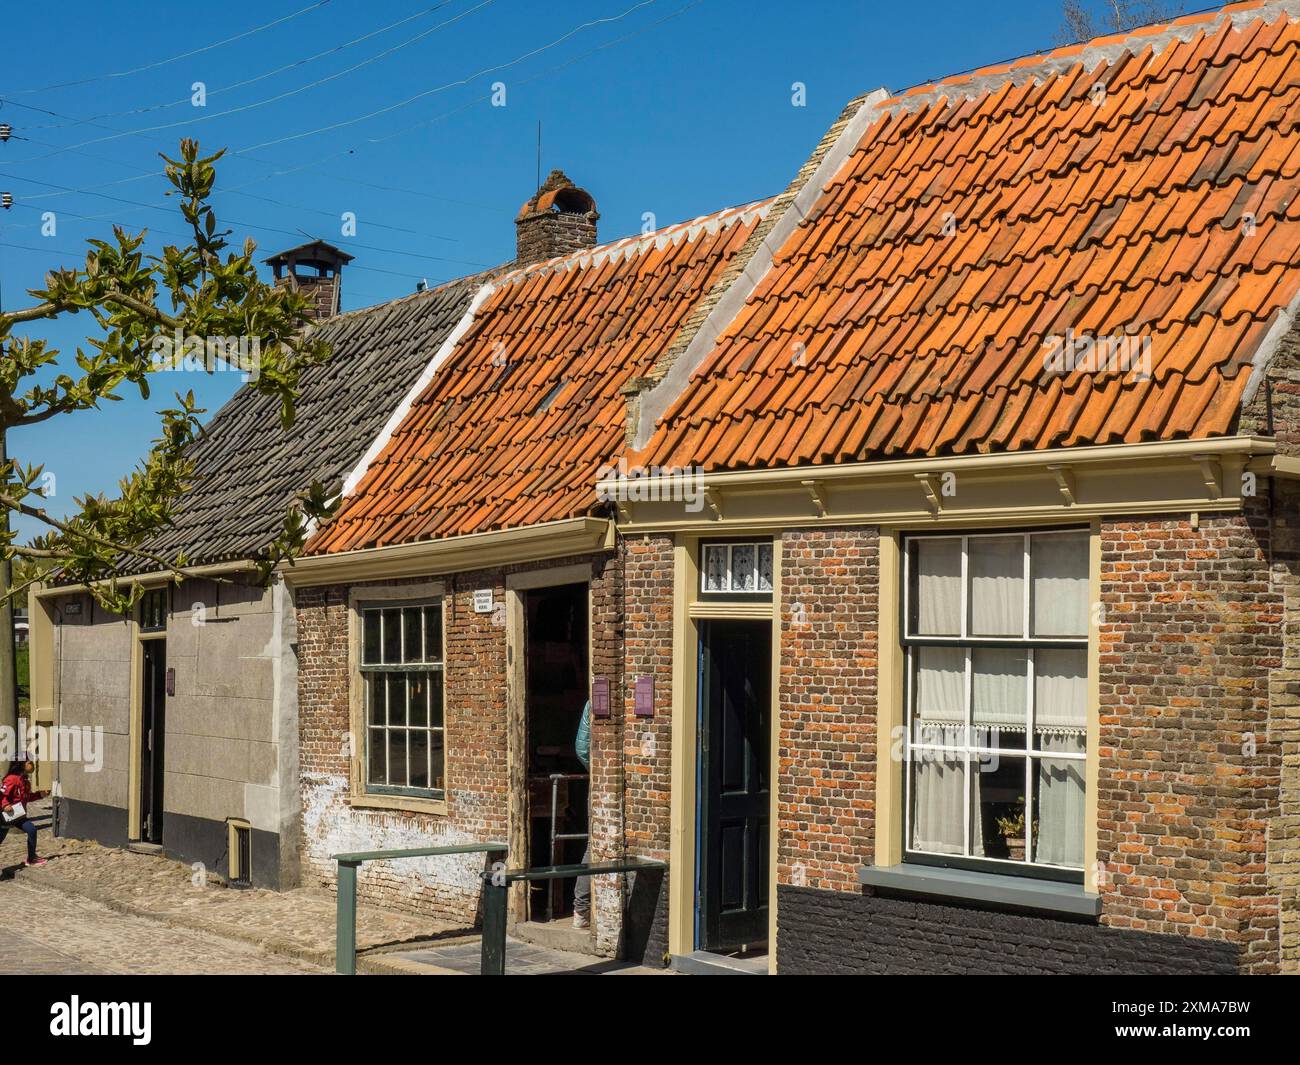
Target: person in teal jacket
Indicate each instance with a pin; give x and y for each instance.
(582, 889)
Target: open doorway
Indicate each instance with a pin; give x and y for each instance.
(556, 687)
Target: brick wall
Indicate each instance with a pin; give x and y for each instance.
(835, 932)
(1189, 836)
(476, 745)
(827, 760)
(647, 742)
(1188, 772)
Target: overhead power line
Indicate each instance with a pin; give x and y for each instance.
(221, 90)
(449, 85)
(270, 99)
(170, 59)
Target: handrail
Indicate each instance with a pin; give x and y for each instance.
(496, 890)
(345, 922)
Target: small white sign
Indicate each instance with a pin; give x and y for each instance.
(482, 600)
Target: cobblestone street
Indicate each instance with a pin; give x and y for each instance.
(46, 931)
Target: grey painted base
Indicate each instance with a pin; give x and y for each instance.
(185, 839)
(838, 932)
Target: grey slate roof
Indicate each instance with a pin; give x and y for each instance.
(247, 469)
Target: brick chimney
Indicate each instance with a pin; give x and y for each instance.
(559, 219)
(315, 270)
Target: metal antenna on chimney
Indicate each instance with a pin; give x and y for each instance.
(539, 153)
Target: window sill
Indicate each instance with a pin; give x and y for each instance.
(411, 803)
(1021, 893)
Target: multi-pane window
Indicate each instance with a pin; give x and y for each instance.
(744, 568)
(996, 636)
(153, 610)
(401, 666)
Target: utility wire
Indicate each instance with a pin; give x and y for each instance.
(247, 81)
(270, 99)
(171, 59)
(248, 225)
(449, 85)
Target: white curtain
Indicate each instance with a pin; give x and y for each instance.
(999, 693)
(1060, 724)
(938, 776)
(1059, 567)
(1060, 803)
(938, 808)
(997, 585)
(1060, 690)
(938, 587)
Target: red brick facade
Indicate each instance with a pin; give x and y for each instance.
(827, 784)
(1197, 711)
(1189, 773)
(476, 749)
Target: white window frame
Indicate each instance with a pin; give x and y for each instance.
(427, 667)
(969, 749)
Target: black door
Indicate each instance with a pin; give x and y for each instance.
(735, 683)
(153, 689)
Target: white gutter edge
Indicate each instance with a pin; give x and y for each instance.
(421, 383)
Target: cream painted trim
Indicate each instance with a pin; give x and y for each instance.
(529, 543)
(774, 763)
(1092, 766)
(217, 569)
(421, 383)
(741, 610)
(134, 727)
(357, 794)
(579, 573)
(681, 849)
(888, 827)
(41, 658)
(1006, 488)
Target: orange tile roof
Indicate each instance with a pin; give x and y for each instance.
(513, 428)
(982, 220)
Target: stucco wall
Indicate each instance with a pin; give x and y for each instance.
(230, 729)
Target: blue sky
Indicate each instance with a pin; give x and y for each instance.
(677, 108)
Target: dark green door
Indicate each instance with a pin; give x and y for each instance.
(735, 705)
(153, 693)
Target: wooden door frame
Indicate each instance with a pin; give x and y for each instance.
(135, 797)
(688, 611)
(516, 585)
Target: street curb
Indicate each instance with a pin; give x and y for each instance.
(375, 965)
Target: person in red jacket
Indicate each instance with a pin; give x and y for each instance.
(16, 790)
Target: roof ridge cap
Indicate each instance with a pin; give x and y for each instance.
(639, 242)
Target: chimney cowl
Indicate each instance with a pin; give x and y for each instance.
(559, 218)
(316, 270)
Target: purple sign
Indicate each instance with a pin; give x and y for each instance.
(600, 697)
(644, 704)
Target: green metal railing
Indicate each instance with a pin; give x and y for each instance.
(345, 924)
(496, 891)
